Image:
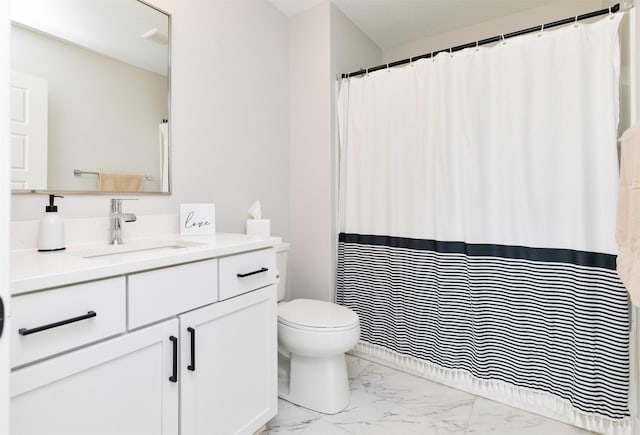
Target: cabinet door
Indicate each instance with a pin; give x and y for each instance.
(120, 386)
(232, 388)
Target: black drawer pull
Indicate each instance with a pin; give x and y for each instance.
(25, 331)
(192, 366)
(1, 316)
(244, 275)
(174, 376)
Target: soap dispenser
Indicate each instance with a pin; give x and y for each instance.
(51, 235)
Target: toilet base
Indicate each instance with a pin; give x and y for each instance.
(319, 384)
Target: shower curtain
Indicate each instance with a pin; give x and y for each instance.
(477, 199)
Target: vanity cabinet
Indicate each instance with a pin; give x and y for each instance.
(163, 352)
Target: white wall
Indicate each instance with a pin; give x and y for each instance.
(351, 49)
(229, 112)
(323, 42)
(4, 210)
(310, 255)
(88, 136)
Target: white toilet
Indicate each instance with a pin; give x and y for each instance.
(312, 339)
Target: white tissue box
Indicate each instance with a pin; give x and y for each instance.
(259, 227)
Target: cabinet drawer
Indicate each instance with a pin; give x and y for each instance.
(245, 272)
(159, 294)
(60, 319)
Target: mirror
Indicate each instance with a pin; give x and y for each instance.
(89, 96)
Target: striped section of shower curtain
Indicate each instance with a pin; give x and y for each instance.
(515, 314)
(477, 218)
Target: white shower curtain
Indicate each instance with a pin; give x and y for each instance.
(478, 190)
(163, 134)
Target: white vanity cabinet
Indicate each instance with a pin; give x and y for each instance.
(185, 349)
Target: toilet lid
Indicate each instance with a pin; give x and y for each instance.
(315, 314)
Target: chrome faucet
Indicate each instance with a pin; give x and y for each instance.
(117, 217)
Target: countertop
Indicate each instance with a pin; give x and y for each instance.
(32, 270)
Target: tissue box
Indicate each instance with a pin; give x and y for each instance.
(259, 227)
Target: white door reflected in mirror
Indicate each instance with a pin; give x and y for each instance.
(28, 131)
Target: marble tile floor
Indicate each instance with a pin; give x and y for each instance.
(385, 401)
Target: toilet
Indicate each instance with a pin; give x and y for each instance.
(313, 337)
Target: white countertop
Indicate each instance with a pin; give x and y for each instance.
(32, 270)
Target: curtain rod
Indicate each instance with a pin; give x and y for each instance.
(612, 9)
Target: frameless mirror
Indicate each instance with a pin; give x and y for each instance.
(89, 96)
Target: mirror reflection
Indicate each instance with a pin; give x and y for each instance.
(89, 96)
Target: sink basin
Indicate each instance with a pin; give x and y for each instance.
(136, 248)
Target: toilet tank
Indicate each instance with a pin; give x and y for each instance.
(281, 264)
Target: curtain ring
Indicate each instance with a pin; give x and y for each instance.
(575, 23)
(450, 52)
(541, 30)
(367, 73)
(503, 41)
(388, 70)
(477, 49)
(610, 13)
(433, 59)
(411, 62)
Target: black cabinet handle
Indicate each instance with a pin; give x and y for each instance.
(174, 376)
(25, 331)
(192, 366)
(243, 275)
(1, 316)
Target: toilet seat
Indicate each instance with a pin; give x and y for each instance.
(315, 315)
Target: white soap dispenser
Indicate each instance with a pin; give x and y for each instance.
(51, 235)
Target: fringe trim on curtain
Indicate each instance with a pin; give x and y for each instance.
(527, 399)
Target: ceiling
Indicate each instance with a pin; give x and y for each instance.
(390, 23)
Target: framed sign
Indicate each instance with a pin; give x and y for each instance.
(197, 219)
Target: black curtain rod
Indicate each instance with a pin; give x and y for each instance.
(614, 8)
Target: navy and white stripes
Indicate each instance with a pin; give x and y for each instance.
(548, 319)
